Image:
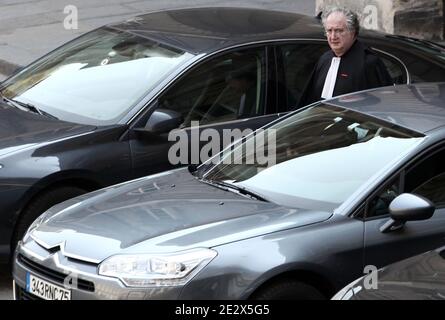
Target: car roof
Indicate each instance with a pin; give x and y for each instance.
(208, 29)
(419, 107)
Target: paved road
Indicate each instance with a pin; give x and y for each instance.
(30, 28)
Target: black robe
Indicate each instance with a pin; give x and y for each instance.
(359, 69)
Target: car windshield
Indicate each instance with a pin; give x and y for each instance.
(318, 158)
(96, 78)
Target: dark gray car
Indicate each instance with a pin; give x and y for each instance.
(301, 225)
(98, 110)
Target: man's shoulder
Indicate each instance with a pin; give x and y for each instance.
(370, 56)
(326, 56)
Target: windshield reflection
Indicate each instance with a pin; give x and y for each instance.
(96, 78)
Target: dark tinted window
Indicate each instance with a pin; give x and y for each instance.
(394, 67)
(379, 204)
(424, 60)
(422, 70)
(299, 61)
(422, 66)
(225, 88)
(426, 178)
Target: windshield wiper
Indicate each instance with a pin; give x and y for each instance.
(232, 187)
(26, 107)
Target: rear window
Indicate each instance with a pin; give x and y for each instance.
(425, 60)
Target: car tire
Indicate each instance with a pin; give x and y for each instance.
(288, 289)
(39, 205)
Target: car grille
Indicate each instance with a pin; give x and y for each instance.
(55, 276)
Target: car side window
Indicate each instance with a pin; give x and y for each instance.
(379, 204)
(225, 88)
(424, 63)
(395, 69)
(434, 190)
(427, 179)
(299, 61)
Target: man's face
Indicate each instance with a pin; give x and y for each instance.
(340, 39)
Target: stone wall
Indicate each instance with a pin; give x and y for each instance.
(418, 18)
(423, 18)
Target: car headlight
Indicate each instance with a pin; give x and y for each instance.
(149, 270)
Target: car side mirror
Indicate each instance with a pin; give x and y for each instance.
(161, 121)
(408, 207)
(411, 207)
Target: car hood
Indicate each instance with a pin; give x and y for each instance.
(167, 212)
(21, 129)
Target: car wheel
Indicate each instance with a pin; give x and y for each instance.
(39, 205)
(288, 289)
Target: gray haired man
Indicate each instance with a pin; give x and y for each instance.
(349, 65)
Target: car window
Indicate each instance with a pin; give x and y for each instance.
(433, 189)
(298, 62)
(225, 88)
(395, 69)
(426, 178)
(420, 68)
(96, 78)
(316, 158)
(379, 204)
(424, 60)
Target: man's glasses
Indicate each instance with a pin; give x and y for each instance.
(339, 32)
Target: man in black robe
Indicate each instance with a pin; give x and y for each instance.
(349, 66)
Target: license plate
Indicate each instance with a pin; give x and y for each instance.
(45, 289)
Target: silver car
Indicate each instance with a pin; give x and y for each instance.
(301, 226)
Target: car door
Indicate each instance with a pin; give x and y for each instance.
(295, 63)
(228, 91)
(425, 177)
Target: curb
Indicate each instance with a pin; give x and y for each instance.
(7, 68)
